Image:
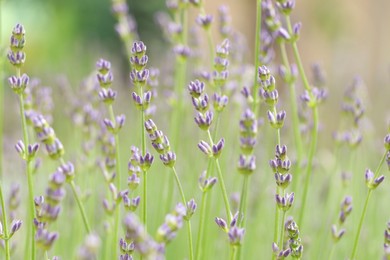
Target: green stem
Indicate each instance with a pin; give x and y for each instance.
(313, 146)
(221, 183)
(81, 206)
(203, 212)
(355, 245)
(5, 225)
(314, 134)
(243, 208)
(233, 252)
(118, 181)
(28, 173)
(185, 204)
(294, 109)
(257, 54)
(281, 238)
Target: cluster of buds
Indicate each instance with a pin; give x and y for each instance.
(314, 96)
(90, 247)
(204, 20)
(160, 143)
(224, 18)
(373, 181)
(248, 133)
(126, 25)
(117, 197)
(234, 232)
(353, 108)
(281, 165)
(16, 55)
(386, 244)
(173, 222)
(221, 63)
(270, 95)
(204, 116)
(45, 134)
(205, 184)
(345, 210)
(15, 226)
(137, 239)
(294, 242)
(14, 199)
(139, 75)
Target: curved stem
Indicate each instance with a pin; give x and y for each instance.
(81, 207)
(233, 252)
(355, 245)
(189, 232)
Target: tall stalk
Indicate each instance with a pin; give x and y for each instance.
(371, 186)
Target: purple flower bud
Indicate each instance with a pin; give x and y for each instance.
(20, 148)
(107, 95)
(17, 58)
(55, 150)
(19, 85)
(182, 51)
(220, 102)
(217, 148)
(191, 207)
(387, 142)
(168, 159)
(138, 48)
(236, 235)
(270, 97)
(15, 226)
(201, 103)
(205, 148)
(204, 120)
(204, 20)
(150, 126)
(133, 181)
(246, 164)
(196, 88)
(264, 73)
(222, 224)
(337, 234)
(103, 66)
(105, 80)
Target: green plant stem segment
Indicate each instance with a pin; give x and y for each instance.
(221, 183)
(79, 202)
(294, 109)
(5, 225)
(314, 134)
(29, 176)
(313, 146)
(257, 61)
(363, 215)
(118, 182)
(187, 221)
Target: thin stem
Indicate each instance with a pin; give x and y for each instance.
(233, 252)
(281, 238)
(189, 232)
(294, 110)
(355, 245)
(203, 212)
(221, 183)
(28, 173)
(5, 225)
(314, 134)
(118, 181)
(243, 199)
(257, 54)
(224, 193)
(81, 206)
(313, 146)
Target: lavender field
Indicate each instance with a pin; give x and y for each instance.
(194, 130)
